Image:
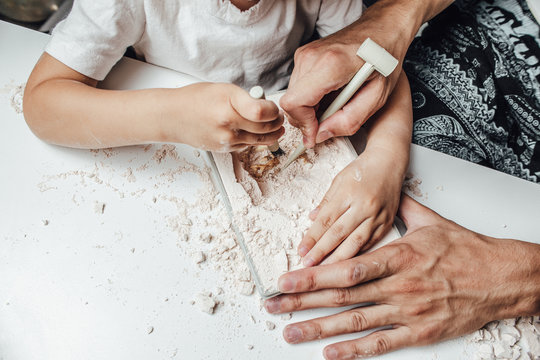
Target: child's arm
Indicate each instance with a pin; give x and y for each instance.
(363, 199)
(64, 107)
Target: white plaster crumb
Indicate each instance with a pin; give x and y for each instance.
(198, 257)
(507, 339)
(150, 329)
(246, 288)
(206, 237)
(154, 199)
(132, 250)
(196, 153)
(184, 236)
(219, 291)
(270, 325)
(252, 318)
(286, 317)
(229, 243)
(45, 222)
(205, 302)
(129, 175)
(99, 207)
(185, 221)
(501, 351)
(440, 188)
(249, 346)
(504, 226)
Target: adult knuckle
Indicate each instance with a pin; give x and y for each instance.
(340, 296)
(304, 52)
(357, 274)
(311, 282)
(358, 321)
(404, 253)
(332, 56)
(296, 301)
(382, 344)
(316, 331)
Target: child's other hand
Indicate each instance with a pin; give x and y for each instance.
(357, 210)
(226, 118)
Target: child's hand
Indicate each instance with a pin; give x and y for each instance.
(225, 118)
(357, 210)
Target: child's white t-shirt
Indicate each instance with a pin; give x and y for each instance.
(210, 39)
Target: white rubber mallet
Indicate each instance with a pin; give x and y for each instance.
(376, 58)
(257, 92)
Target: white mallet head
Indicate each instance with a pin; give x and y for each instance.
(376, 55)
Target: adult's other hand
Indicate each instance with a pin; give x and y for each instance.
(328, 64)
(438, 282)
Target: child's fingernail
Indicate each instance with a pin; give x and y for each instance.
(303, 250)
(313, 214)
(308, 261)
(323, 136)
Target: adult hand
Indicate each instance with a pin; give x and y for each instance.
(438, 282)
(328, 64)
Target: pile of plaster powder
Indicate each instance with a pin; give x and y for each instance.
(15, 95)
(271, 212)
(510, 339)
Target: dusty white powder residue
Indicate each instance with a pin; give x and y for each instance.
(15, 93)
(510, 339)
(271, 210)
(165, 151)
(412, 185)
(129, 175)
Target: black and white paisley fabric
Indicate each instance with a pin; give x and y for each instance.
(474, 75)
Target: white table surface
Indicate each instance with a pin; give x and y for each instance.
(90, 286)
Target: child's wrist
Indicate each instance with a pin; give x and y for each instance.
(395, 157)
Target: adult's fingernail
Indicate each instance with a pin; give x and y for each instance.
(286, 284)
(308, 261)
(272, 305)
(323, 136)
(305, 140)
(330, 353)
(303, 250)
(292, 334)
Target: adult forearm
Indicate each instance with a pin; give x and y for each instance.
(396, 22)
